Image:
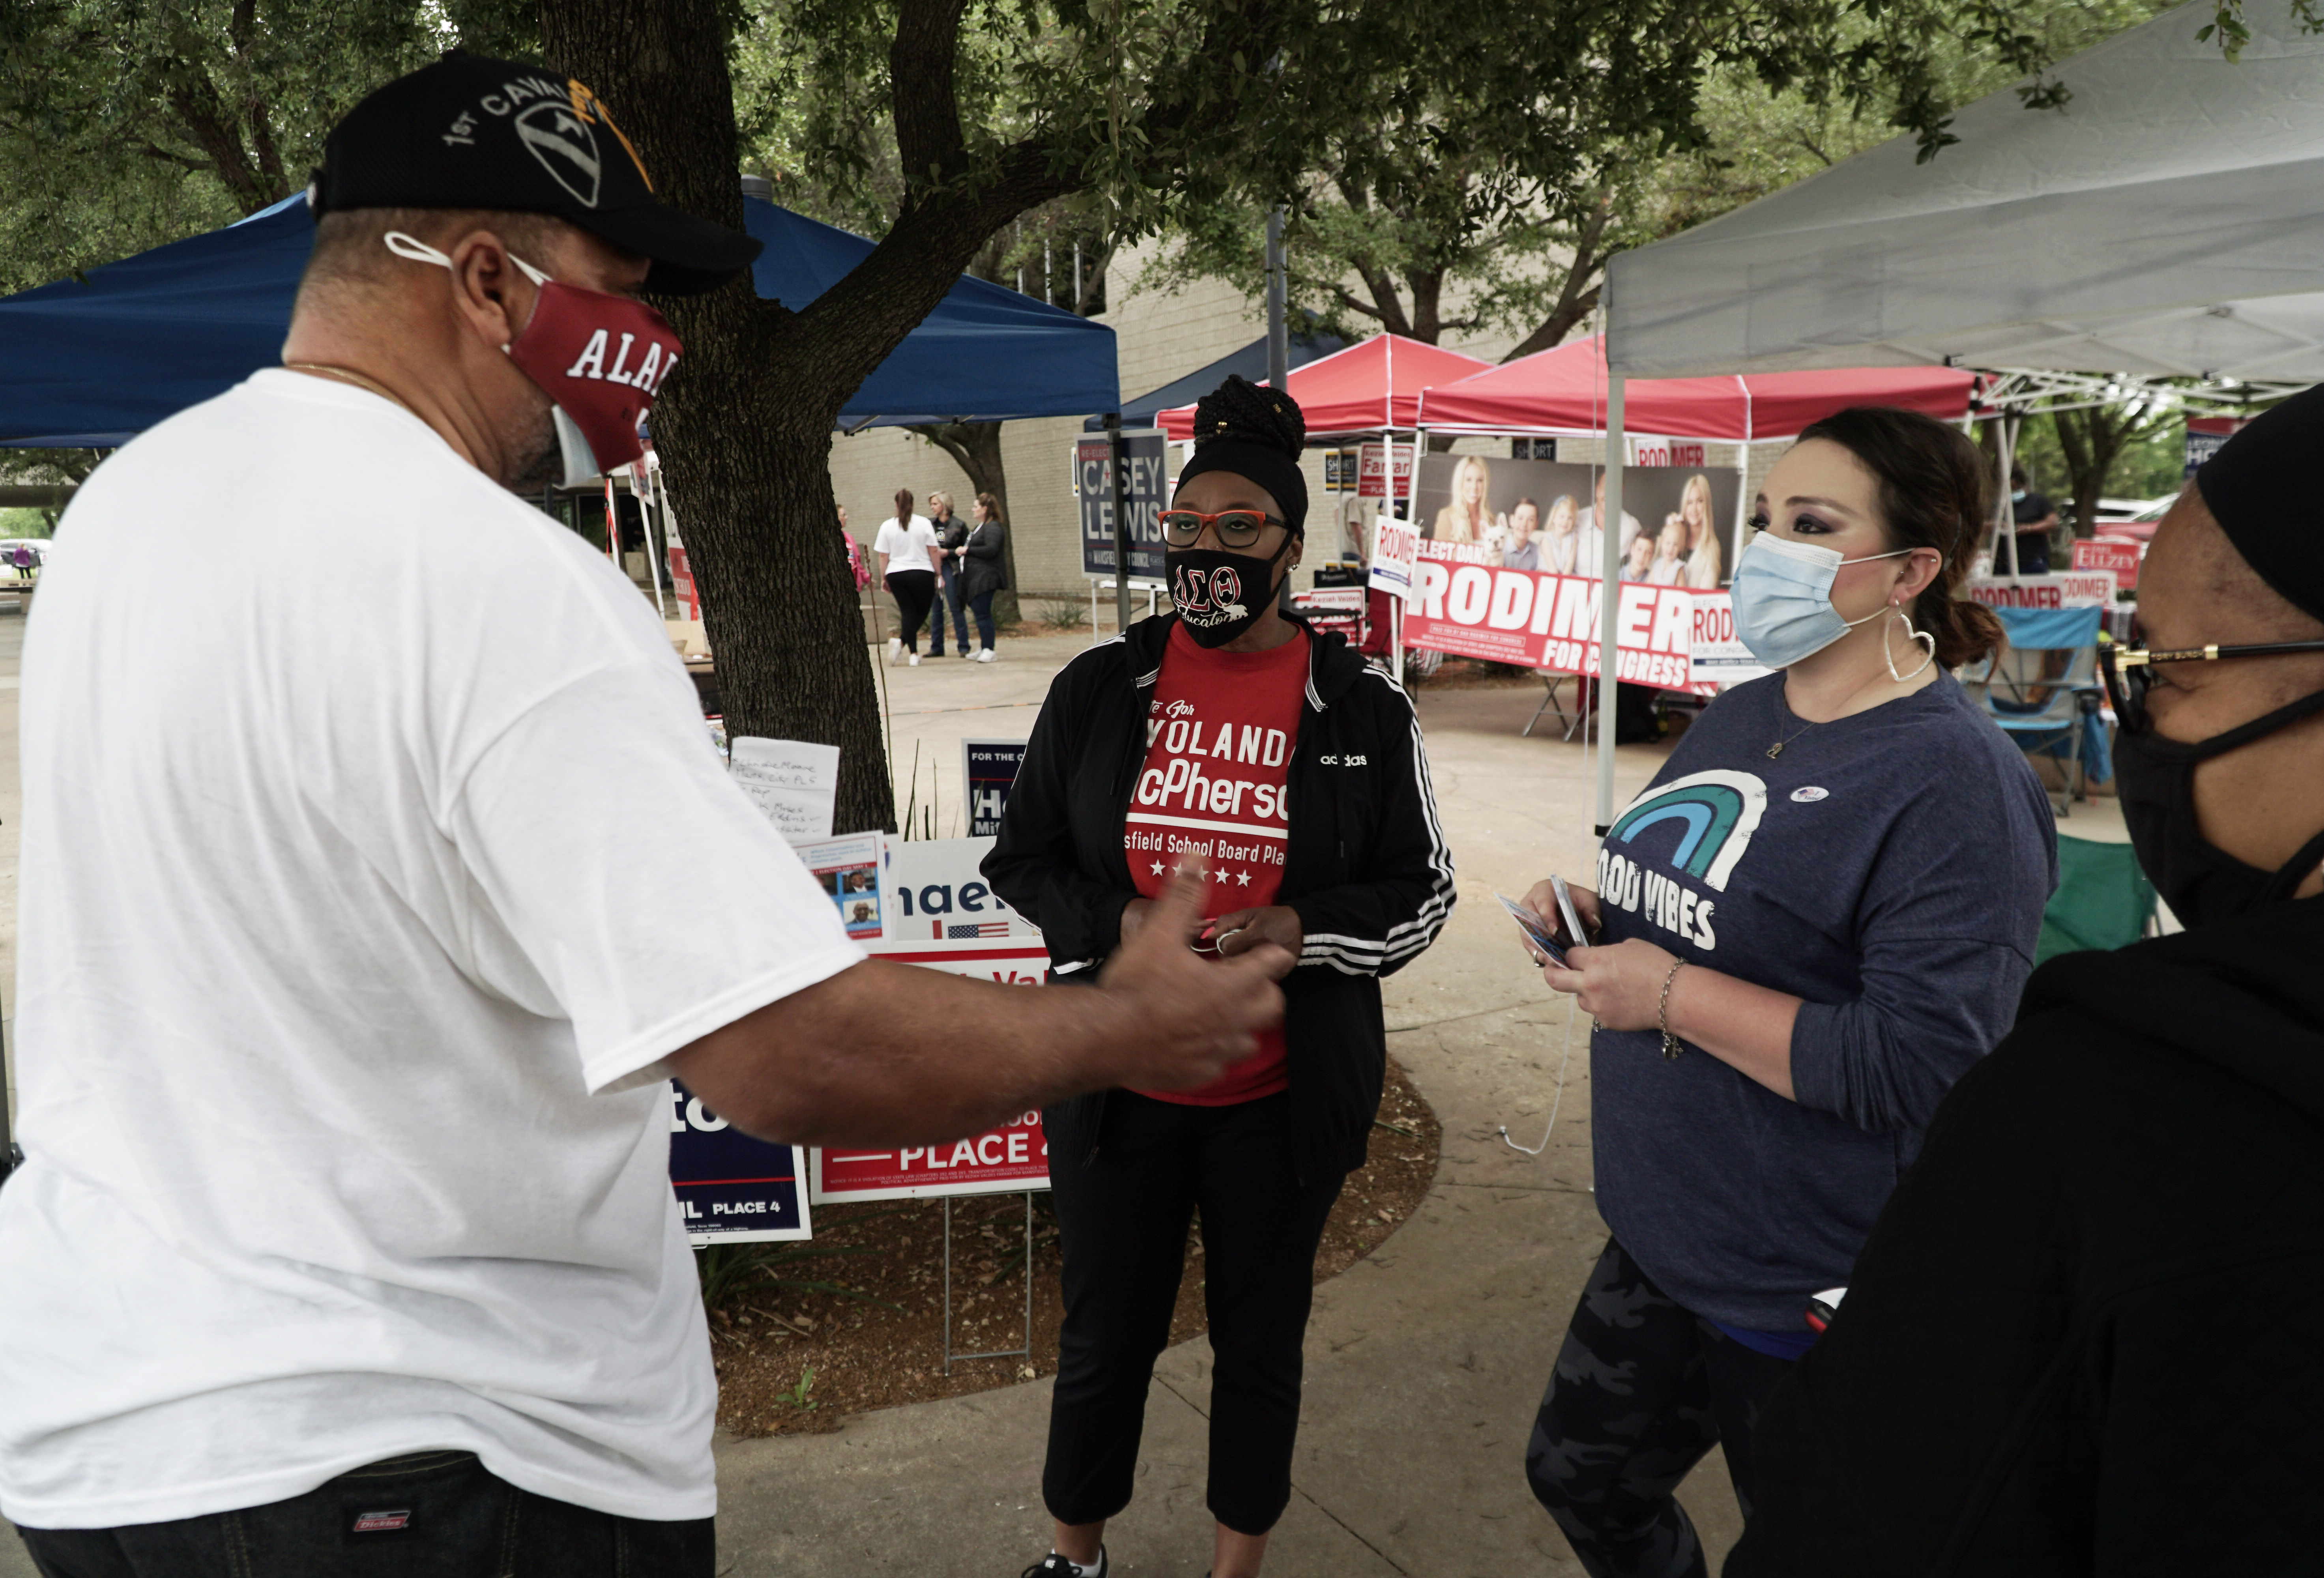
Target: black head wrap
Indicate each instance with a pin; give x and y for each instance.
(1256, 433)
(2260, 487)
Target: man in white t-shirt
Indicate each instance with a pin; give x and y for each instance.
(1589, 543)
(345, 1240)
(909, 558)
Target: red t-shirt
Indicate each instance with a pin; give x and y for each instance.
(1218, 744)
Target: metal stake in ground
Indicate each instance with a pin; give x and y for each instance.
(1027, 1351)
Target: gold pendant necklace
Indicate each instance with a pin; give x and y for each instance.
(349, 376)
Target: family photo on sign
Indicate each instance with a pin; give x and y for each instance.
(1679, 525)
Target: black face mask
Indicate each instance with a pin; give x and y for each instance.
(1220, 596)
(2202, 884)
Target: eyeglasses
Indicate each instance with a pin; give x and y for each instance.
(1236, 528)
(2128, 679)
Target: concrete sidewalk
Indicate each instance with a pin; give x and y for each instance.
(1425, 1361)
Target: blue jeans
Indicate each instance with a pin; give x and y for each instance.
(982, 606)
(427, 1515)
(950, 596)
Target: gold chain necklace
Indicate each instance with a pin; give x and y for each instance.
(349, 376)
(1777, 749)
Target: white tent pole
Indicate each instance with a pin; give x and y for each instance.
(2004, 517)
(653, 559)
(1610, 596)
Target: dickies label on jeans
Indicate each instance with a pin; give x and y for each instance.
(365, 1524)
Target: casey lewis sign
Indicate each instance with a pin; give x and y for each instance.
(1468, 605)
(1145, 490)
(1006, 1160)
(730, 1186)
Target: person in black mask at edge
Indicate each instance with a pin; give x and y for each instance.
(1229, 730)
(2086, 1334)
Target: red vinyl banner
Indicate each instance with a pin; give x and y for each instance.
(1006, 1161)
(1467, 604)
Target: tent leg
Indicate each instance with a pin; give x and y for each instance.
(1610, 596)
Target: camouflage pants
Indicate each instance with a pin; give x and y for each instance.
(1642, 1390)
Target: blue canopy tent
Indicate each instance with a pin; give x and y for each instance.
(1250, 362)
(93, 362)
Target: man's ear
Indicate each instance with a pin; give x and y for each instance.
(488, 290)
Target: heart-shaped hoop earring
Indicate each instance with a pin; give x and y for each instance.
(1888, 655)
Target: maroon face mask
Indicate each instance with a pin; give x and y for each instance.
(600, 358)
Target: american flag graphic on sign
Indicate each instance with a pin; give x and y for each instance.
(978, 928)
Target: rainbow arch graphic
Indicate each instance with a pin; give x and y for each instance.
(1717, 811)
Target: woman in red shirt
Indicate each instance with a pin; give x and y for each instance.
(1228, 733)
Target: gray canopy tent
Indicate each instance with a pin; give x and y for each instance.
(2167, 223)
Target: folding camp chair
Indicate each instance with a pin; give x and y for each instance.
(1550, 702)
(2042, 688)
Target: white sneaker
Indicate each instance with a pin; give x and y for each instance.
(895, 647)
(915, 661)
(985, 656)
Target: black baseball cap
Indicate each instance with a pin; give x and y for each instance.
(473, 133)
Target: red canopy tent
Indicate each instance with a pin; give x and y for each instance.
(1373, 384)
(1563, 390)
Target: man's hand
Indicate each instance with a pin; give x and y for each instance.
(1189, 1017)
(1246, 931)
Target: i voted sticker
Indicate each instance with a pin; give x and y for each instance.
(1810, 794)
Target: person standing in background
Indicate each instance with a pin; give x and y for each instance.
(908, 565)
(2032, 517)
(952, 532)
(983, 558)
(1816, 917)
(856, 564)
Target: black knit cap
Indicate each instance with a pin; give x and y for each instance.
(1255, 433)
(2260, 487)
(473, 133)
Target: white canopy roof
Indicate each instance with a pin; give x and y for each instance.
(2168, 222)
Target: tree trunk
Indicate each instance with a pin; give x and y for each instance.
(2091, 441)
(975, 449)
(745, 428)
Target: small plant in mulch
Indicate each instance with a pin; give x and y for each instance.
(1058, 618)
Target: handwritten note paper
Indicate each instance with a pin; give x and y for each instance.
(793, 782)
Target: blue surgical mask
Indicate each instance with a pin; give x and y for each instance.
(1782, 592)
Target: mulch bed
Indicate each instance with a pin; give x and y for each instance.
(791, 1361)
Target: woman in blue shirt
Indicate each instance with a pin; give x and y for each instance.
(1812, 921)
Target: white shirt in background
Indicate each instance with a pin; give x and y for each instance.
(906, 546)
(373, 859)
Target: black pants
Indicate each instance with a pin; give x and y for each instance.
(1124, 1218)
(430, 1515)
(914, 591)
(982, 606)
(950, 599)
(1642, 1390)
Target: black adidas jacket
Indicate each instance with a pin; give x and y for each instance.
(1365, 865)
(2087, 1334)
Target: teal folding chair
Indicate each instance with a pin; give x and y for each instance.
(2042, 687)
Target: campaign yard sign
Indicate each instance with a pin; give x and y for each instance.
(936, 892)
(2075, 589)
(1396, 555)
(1006, 1160)
(1716, 654)
(1145, 484)
(2110, 558)
(987, 768)
(732, 1188)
